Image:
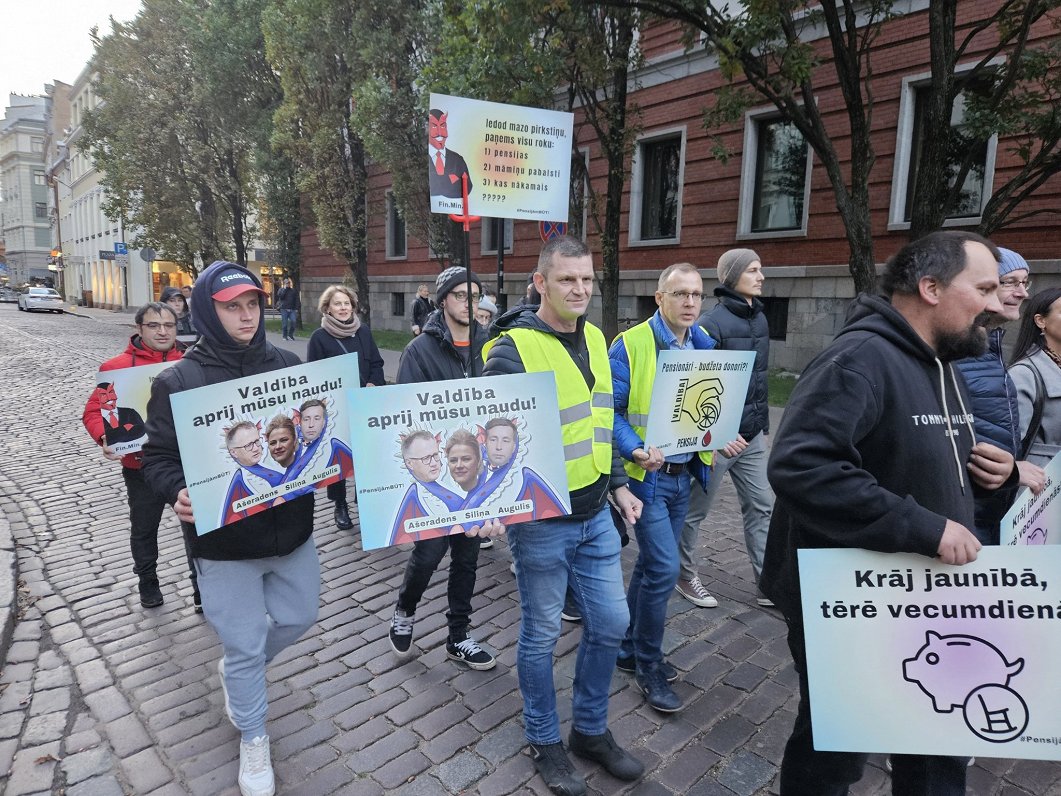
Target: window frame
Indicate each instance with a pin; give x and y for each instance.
(391, 211)
(904, 146)
(750, 172)
(637, 187)
(486, 229)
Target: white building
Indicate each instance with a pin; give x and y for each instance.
(25, 224)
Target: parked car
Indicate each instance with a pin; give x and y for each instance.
(8, 296)
(40, 298)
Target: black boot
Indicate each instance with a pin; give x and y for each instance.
(150, 593)
(342, 516)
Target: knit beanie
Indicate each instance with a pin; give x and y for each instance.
(733, 263)
(1011, 261)
(488, 305)
(452, 277)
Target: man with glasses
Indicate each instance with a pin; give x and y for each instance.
(445, 349)
(661, 484)
(155, 341)
(736, 323)
(994, 399)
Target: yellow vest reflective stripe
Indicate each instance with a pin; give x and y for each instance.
(640, 343)
(585, 416)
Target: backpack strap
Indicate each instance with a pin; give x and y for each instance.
(1037, 412)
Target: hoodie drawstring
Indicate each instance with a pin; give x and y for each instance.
(951, 433)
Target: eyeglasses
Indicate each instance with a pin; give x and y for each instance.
(154, 326)
(427, 461)
(462, 295)
(1013, 284)
(249, 447)
(684, 295)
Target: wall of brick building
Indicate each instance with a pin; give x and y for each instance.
(809, 269)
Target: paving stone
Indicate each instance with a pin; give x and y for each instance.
(89, 763)
(97, 786)
(461, 771)
(401, 769)
(745, 773)
(43, 729)
(33, 769)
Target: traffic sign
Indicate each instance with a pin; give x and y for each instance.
(552, 229)
(120, 248)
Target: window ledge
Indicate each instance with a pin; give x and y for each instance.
(655, 242)
(780, 233)
(966, 221)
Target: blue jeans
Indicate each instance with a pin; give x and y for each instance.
(287, 322)
(748, 471)
(549, 555)
(656, 570)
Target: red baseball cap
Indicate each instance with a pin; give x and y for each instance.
(233, 281)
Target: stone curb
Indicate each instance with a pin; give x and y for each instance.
(8, 587)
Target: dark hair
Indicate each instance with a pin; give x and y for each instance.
(311, 403)
(153, 306)
(414, 436)
(1029, 335)
(562, 246)
(940, 255)
(502, 421)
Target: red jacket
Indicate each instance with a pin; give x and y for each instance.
(136, 353)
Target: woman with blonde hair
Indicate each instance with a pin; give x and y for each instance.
(342, 332)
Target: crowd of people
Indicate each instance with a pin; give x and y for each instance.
(928, 344)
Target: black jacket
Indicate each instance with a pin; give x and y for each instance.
(431, 356)
(322, 345)
(737, 325)
(277, 531)
(871, 451)
(422, 307)
(287, 299)
(504, 359)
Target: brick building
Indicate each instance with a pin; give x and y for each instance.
(773, 195)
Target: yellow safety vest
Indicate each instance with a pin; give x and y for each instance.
(585, 417)
(640, 343)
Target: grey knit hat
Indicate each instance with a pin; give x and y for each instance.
(451, 278)
(733, 263)
(1011, 261)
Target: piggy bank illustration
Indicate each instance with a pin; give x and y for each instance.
(950, 668)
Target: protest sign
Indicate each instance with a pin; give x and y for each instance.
(518, 159)
(251, 443)
(123, 396)
(437, 458)
(1036, 519)
(907, 655)
(698, 399)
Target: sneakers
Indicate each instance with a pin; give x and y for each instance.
(486, 544)
(469, 652)
(401, 634)
(555, 768)
(150, 593)
(224, 690)
(255, 768)
(197, 600)
(512, 567)
(694, 591)
(658, 693)
(763, 600)
(604, 750)
(629, 665)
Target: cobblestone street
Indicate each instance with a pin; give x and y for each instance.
(100, 696)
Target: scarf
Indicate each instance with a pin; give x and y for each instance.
(337, 328)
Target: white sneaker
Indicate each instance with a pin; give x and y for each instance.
(224, 690)
(255, 768)
(694, 591)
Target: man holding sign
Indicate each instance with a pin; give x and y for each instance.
(662, 484)
(876, 450)
(154, 342)
(581, 550)
(259, 576)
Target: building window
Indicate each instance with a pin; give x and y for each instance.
(976, 181)
(38, 178)
(490, 236)
(398, 305)
(775, 178)
(40, 209)
(396, 237)
(776, 311)
(36, 144)
(656, 186)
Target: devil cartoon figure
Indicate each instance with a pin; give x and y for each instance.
(446, 166)
(120, 423)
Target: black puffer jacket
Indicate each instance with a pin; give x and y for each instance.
(737, 325)
(215, 358)
(503, 359)
(431, 356)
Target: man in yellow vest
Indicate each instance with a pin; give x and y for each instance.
(582, 549)
(662, 485)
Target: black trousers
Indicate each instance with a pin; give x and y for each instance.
(145, 513)
(337, 491)
(464, 558)
(806, 772)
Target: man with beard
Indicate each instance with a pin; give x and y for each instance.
(883, 396)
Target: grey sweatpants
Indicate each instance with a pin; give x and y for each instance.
(258, 607)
